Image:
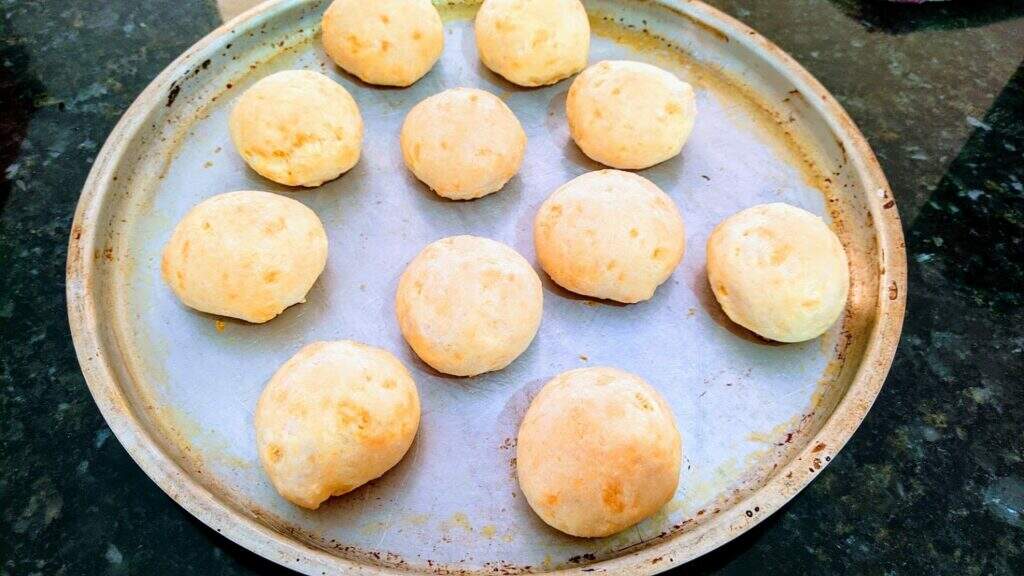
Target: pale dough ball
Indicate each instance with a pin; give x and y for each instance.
(385, 42)
(333, 417)
(468, 305)
(630, 115)
(779, 271)
(246, 255)
(533, 42)
(598, 451)
(464, 143)
(609, 234)
(297, 128)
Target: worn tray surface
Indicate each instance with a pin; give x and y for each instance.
(179, 387)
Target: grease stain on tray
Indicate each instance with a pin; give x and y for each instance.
(201, 445)
(458, 520)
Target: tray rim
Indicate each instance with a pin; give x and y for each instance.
(84, 317)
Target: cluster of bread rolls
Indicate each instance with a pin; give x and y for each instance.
(598, 449)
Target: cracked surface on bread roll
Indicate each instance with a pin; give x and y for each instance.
(533, 42)
(597, 452)
(246, 255)
(630, 115)
(779, 271)
(468, 305)
(333, 417)
(609, 234)
(463, 143)
(384, 42)
(297, 128)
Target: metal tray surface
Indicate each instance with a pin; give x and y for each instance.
(758, 420)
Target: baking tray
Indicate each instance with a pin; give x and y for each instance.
(758, 421)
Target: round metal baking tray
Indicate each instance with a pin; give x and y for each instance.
(759, 421)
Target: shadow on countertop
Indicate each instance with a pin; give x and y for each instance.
(904, 17)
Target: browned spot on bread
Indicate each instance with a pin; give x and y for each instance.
(274, 226)
(377, 440)
(274, 453)
(551, 499)
(611, 495)
(271, 276)
(351, 415)
(539, 37)
(644, 402)
(779, 254)
(491, 276)
(384, 18)
(354, 45)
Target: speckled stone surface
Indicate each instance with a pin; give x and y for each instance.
(932, 483)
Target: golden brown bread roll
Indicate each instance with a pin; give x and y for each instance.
(597, 452)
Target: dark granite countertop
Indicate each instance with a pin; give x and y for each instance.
(932, 483)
